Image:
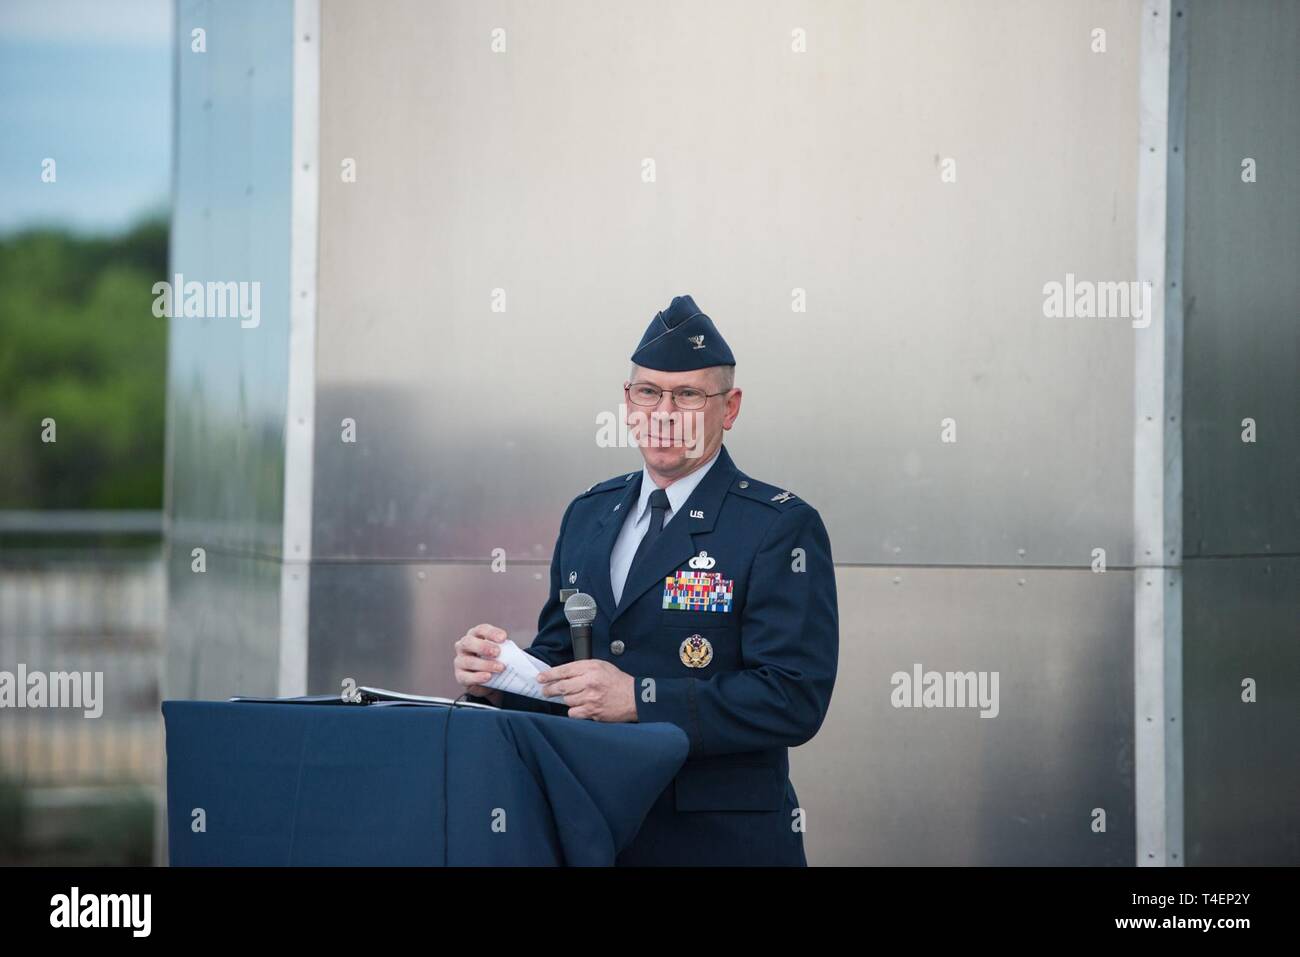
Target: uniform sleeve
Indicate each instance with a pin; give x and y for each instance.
(552, 644)
(789, 639)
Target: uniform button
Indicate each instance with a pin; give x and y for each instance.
(616, 647)
(744, 485)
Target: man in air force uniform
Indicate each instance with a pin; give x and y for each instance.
(716, 611)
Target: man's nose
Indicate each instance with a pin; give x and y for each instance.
(666, 411)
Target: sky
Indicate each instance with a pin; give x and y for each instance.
(87, 83)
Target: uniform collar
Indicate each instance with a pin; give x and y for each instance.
(678, 492)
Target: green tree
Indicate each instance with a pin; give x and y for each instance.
(79, 344)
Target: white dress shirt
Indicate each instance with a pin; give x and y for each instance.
(637, 522)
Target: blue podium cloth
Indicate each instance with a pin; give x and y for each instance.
(320, 784)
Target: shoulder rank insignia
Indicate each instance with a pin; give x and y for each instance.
(783, 497)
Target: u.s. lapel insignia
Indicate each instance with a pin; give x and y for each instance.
(696, 652)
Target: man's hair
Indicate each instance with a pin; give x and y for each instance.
(724, 377)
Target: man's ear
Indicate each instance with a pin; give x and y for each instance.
(733, 408)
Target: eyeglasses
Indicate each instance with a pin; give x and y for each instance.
(643, 393)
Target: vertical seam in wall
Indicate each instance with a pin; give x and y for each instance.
(1175, 205)
(300, 407)
(1157, 443)
(161, 854)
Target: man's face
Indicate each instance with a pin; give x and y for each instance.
(675, 441)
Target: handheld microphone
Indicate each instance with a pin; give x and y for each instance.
(580, 609)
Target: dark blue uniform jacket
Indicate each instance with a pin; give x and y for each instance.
(730, 628)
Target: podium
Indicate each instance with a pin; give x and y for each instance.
(339, 784)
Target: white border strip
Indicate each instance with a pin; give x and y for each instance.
(1157, 440)
(300, 409)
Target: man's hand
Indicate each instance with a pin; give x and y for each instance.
(476, 654)
(592, 689)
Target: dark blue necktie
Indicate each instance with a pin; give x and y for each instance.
(658, 509)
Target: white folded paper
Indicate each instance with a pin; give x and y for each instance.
(520, 674)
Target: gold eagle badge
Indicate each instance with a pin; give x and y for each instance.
(696, 652)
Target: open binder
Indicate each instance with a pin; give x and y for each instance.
(371, 696)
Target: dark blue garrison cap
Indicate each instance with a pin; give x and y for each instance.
(681, 339)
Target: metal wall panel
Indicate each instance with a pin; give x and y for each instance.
(1243, 280)
(230, 223)
(1241, 621)
(904, 786)
(521, 171)
(226, 384)
(222, 638)
(1241, 604)
(393, 625)
(1242, 775)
